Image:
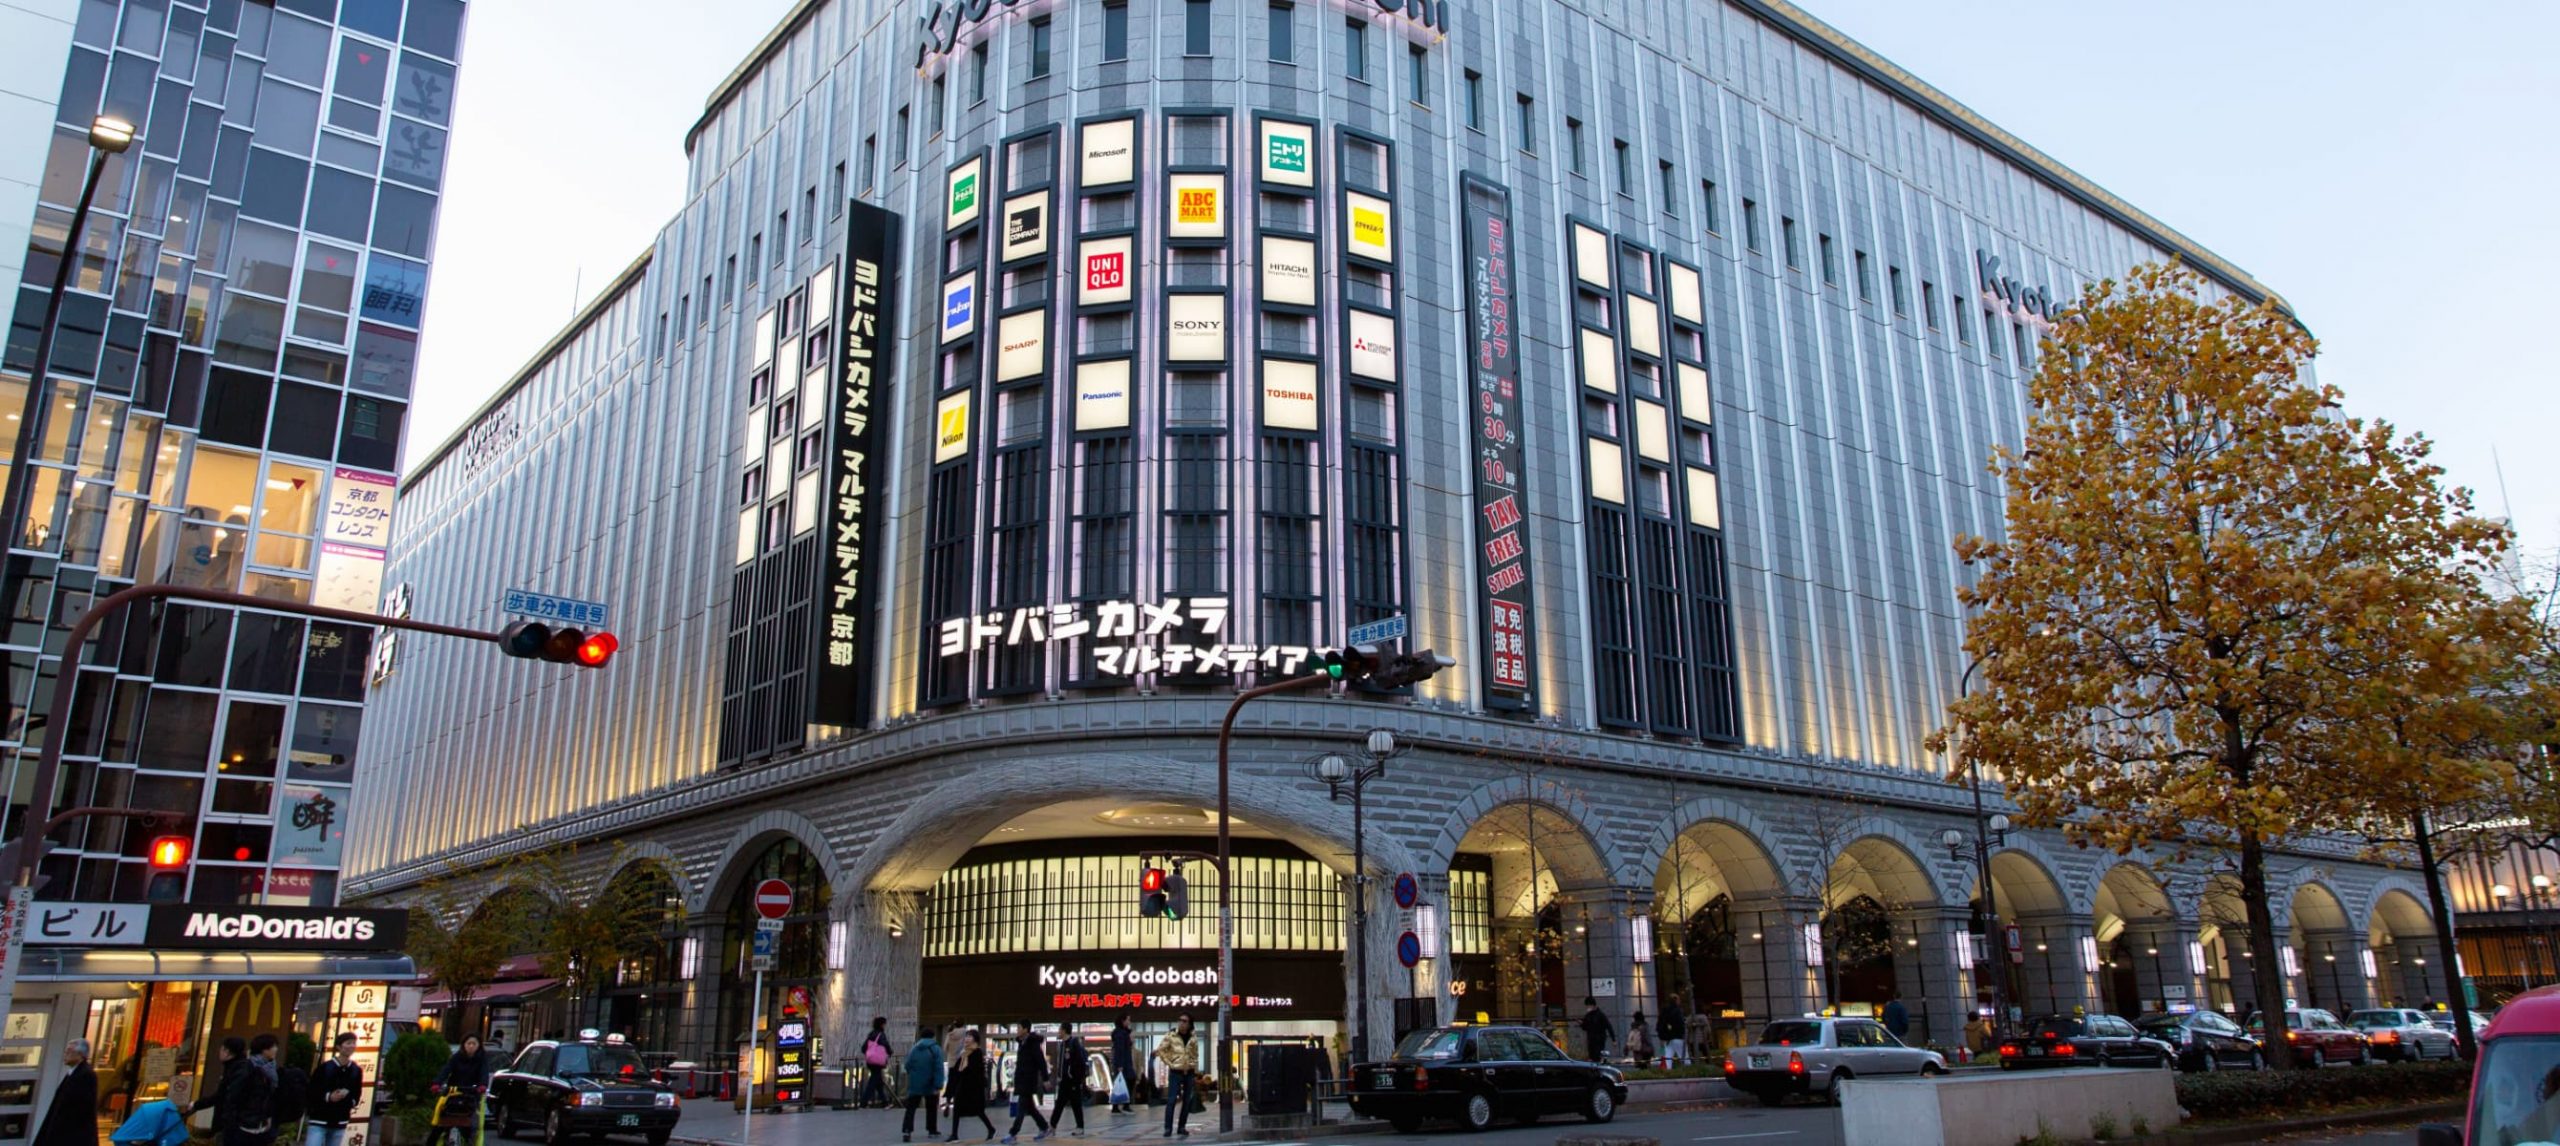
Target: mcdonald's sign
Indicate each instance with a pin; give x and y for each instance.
(256, 1006)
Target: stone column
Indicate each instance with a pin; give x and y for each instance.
(1934, 989)
(883, 971)
(1387, 977)
(2336, 975)
(2057, 977)
(2420, 980)
(704, 933)
(2243, 968)
(1430, 978)
(1769, 943)
(1598, 960)
(2167, 978)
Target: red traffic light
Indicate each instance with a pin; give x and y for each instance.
(532, 640)
(598, 648)
(1151, 880)
(170, 852)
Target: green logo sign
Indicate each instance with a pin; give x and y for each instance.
(964, 194)
(1288, 154)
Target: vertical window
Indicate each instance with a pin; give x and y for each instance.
(2018, 338)
(1115, 30)
(978, 74)
(1991, 331)
(1355, 49)
(1475, 101)
(898, 143)
(1929, 303)
(1830, 263)
(1284, 25)
(1670, 199)
(1573, 144)
(1893, 281)
(1195, 28)
(1039, 47)
(1528, 124)
(835, 191)
(1751, 224)
(1964, 325)
(870, 161)
(1714, 212)
(1787, 242)
(809, 215)
(781, 228)
(728, 279)
(1866, 278)
(1625, 184)
(1417, 76)
(933, 115)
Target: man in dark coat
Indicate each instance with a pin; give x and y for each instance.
(1030, 1072)
(1124, 1069)
(1596, 1030)
(72, 1120)
(243, 1102)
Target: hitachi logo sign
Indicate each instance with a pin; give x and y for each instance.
(251, 925)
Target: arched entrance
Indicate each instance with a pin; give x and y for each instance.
(800, 956)
(2041, 973)
(2401, 941)
(2325, 962)
(642, 996)
(2143, 957)
(1871, 884)
(1712, 895)
(1523, 891)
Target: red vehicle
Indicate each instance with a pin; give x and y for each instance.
(2515, 1086)
(2318, 1038)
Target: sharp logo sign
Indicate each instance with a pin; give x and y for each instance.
(940, 25)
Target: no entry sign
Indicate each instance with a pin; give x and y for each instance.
(773, 899)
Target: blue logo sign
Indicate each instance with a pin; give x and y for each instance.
(543, 606)
(395, 291)
(960, 307)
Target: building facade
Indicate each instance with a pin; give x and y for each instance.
(227, 390)
(1019, 380)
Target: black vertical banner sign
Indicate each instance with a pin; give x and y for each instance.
(846, 644)
(1502, 511)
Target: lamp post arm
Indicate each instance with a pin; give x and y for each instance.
(18, 496)
(1226, 901)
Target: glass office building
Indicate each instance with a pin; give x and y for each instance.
(1018, 381)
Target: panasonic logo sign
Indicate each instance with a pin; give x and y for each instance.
(251, 925)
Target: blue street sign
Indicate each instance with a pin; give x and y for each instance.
(560, 610)
(766, 941)
(1408, 949)
(1378, 632)
(1408, 890)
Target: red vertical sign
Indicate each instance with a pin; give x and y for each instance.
(1493, 371)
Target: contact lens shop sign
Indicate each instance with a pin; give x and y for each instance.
(844, 644)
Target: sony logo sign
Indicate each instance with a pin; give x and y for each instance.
(938, 30)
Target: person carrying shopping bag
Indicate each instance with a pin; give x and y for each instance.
(1030, 1072)
(875, 1066)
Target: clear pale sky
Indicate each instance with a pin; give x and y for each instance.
(2390, 170)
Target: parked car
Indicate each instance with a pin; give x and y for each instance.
(2515, 1087)
(1478, 1074)
(2204, 1040)
(1814, 1056)
(583, 1086)
(2093, 1040)
(2317, 1037)
(2443, 1021)
(2403, 1034)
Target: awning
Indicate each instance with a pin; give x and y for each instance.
(94, 965)
(515, 990)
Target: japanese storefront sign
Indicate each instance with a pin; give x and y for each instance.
(349, 577)
(1288, 153)
(359, 508)
(1102, 394)
(1026, 226)
(1022, 345)
(1199, 206)
(311, 825)
(1373, 345)
(1288, 271)
(1288, 394)
(360, 1009)
(1501, 493)
(1372, 233)
(961, 209)
(1105, 278)
(840, 692)
(1127, 637)
(1195, 328)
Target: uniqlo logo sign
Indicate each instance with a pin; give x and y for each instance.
(1108, 270)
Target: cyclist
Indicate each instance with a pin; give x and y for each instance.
(464, 1077)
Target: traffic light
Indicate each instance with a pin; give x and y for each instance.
(1354, 662)
(1151, 892)
(533, 640)
(168, 869)
(1177, 895)
(1408, 668)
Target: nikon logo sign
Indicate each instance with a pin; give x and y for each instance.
(276, 928)
(940, 26)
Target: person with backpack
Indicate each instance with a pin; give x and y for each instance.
(243, 1101)
(293, 1086)
(1030, 1073)
(875, 1066)
(336, 1084)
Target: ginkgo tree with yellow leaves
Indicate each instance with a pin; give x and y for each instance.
(2214, 594)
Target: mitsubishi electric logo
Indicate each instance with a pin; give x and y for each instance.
(251, 925)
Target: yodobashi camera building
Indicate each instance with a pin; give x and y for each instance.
(1020, 381)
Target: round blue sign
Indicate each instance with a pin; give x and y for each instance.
(1409, 949)
(1408, 890)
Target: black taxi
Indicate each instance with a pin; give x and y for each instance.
(582, 1086)
(1475, 1075)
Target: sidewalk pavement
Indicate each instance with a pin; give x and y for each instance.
(708, 1122)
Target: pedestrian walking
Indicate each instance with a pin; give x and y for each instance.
(925, 1071)
(72, 1120)
(1674, 1030)
(241, 1101)
(968, 1087)
(876, 1053)
(1596, 1030)
(1180, 1054)
(1073, 1063)
(336, 1083)
(1030, 1068)
(1639, 1039)
(1124, 1071)
(1701, 1034)
(293, 1086)
(1897, 1018)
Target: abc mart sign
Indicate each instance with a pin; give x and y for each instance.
(941, 25)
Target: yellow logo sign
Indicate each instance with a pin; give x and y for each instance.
(1198, 205)
(953, 438)
(262, 999)
(1368, 227)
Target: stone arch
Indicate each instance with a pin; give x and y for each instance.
(1883, 865)
(2399, 909)
(1706, 847)
(639, 853)
(1875, 838)
(913, 851)
(2127, 893)
(2028, 885)
(2313, 905)
(1584, 847)
(749, 842)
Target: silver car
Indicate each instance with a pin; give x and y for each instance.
(1813, 1056)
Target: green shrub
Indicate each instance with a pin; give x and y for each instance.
(410, 1066)
(300, 1051)
(2247, 1094)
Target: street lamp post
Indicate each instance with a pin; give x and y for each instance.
(1341, 777)
(108, 135)
(1988, 831)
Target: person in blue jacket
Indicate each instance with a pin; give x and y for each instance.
(925, 1074)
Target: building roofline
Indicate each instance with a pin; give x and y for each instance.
(1938, 105)
(578, 324)
(764, 51)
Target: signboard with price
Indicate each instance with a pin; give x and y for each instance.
(791, 1061)
(1501, 491)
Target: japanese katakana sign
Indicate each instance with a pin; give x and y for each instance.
(865, 369)
(1127, 637)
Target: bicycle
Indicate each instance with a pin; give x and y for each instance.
(450, 1124)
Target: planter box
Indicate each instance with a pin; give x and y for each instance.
(1652, 1091)
(1967, 1110)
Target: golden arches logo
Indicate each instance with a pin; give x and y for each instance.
(260, 998)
